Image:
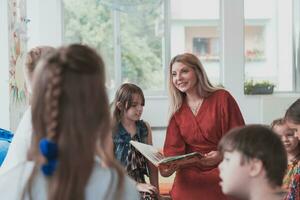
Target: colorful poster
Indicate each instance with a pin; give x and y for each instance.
(17, 52)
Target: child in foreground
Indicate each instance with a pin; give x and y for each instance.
(71, 124)
(292, 119)
(253, 165)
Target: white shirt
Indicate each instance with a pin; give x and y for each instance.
(15, 168)
(102, 181)
(15, 171)
(17, 151)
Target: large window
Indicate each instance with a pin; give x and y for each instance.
(128, 33)
(270, 45)
(197, 31)
(142, 34)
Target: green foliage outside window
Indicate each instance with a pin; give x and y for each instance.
(91, 22)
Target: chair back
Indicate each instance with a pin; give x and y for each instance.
(5, 140)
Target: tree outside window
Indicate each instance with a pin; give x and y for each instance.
(136, 31)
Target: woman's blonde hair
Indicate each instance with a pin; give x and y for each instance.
(204, 86)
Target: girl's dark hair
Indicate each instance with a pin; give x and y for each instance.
(124, 97)
(70, 106)
(260, 142)
(293, 112)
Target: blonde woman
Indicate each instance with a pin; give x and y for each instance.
(200, 115)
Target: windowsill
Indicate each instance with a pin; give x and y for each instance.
(156, 97)
(276, 94)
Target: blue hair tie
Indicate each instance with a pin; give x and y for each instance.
(49, 168)
(49, 150)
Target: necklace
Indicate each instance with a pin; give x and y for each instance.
(195, 109)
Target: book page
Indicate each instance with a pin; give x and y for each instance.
(157, 158)
(174, 158)
(151, 153)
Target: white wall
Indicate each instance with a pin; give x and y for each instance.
(285, 29)
(45, 26)
(4, 66)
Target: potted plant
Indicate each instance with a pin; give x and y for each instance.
(263, 87)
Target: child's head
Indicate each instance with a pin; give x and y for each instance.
(292, 117)
(287, 135)
(70, 107)
(251, 153)
(32, 58)
(129, 102)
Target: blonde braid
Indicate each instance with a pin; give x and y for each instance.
(48, 145)
(52, 97)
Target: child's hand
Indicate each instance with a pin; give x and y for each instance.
(144, 187)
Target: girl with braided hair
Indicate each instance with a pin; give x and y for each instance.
(71, 125)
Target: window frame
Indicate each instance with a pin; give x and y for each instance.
(296, 46)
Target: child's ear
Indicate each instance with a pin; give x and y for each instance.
(256, 167)
(119, 105)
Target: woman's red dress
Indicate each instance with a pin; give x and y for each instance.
(187, 133)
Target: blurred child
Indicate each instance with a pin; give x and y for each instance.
(128, 108)
(291, 181)
(71, 124)
(17, 152)
(292, 119)
(254, 163)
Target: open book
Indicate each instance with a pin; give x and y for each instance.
(157, 158)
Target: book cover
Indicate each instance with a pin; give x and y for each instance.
(157, 158)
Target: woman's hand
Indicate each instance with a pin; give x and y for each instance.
(145, 187)
(210, 159)
(167, 170)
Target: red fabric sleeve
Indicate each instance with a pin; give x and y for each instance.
(174, 143)
(231, 115)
